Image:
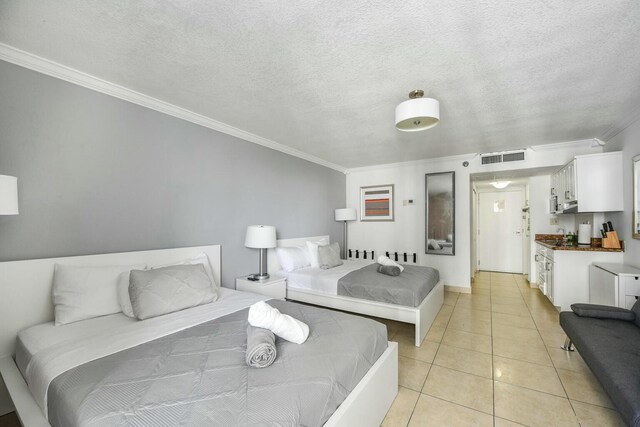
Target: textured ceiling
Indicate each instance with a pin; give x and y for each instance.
(325, 77)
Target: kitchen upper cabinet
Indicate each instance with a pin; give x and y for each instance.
(590, 183)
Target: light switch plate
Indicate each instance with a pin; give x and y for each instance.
(408, 202)
(554, 220)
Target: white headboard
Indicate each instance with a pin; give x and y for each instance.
(273, 264)
(26, 286)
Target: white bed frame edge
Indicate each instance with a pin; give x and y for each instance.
(367, 404)
(422, 316)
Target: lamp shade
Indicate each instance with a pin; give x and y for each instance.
(417, 114)
(346, 214)
(260, 236)
(8, 195)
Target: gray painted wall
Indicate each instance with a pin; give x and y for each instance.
(627, 141)
(98, 174)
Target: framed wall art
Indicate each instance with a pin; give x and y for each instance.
(376, 203)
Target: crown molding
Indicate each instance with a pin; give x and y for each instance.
(62, 72)
(628, 120)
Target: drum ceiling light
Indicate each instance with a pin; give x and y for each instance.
(417, 113)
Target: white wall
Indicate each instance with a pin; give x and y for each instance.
(406, 233)
(629, 142)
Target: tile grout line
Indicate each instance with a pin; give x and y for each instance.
(434, 358)
(493, 381)
(554, 365)
(456, 370)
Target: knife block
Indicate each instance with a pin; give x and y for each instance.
(611, 241)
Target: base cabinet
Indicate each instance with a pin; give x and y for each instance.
(571, 275)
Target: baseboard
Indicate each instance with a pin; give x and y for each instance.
(533, 285)
(460, 289)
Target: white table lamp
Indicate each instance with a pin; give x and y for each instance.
(8, 195)
(345, 214)
(261, 237)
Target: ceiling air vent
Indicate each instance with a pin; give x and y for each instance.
(492, 158)
(513, 157)
(507, 156)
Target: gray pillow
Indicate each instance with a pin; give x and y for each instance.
(329, 256)
(603, 312)
(168, 289)
(389, 270)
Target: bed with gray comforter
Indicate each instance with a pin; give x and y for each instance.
(198, 376)
(408, 289)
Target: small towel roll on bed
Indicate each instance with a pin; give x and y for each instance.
(261, 347)
(389, 270)
(262, 315)
(385, 260)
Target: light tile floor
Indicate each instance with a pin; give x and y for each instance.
(493, 358)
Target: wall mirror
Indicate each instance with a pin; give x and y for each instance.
(635, 219)
(440, 213)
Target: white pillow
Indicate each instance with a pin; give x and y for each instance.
(292, 257)
(123, 294)
(201, 258)
(312, 248)
(83, 292)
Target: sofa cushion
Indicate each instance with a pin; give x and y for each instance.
(603, 312)
(611, 348)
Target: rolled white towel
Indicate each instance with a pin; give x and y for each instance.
(385, 260)
(262, 315)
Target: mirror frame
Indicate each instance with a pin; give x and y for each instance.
(635, 208)
(453, 210)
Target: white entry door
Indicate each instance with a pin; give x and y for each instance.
(500, 231)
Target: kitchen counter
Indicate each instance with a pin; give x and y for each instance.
(549, 241)
(562, 272)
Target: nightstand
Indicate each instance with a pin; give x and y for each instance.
(274, 287)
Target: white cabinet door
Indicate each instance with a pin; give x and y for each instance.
(599, 182)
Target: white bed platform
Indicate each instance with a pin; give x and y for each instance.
(25, 292)
(422, 316)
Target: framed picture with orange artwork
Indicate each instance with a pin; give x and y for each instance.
(376, 203)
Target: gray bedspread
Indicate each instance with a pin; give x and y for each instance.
(409, 288)
(198, 377)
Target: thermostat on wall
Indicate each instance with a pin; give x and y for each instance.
(408, 202)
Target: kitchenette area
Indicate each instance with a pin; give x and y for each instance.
(583, 191)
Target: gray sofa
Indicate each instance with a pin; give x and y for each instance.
(608, 339)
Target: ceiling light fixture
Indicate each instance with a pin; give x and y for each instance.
(500, 184)
(417, 113)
